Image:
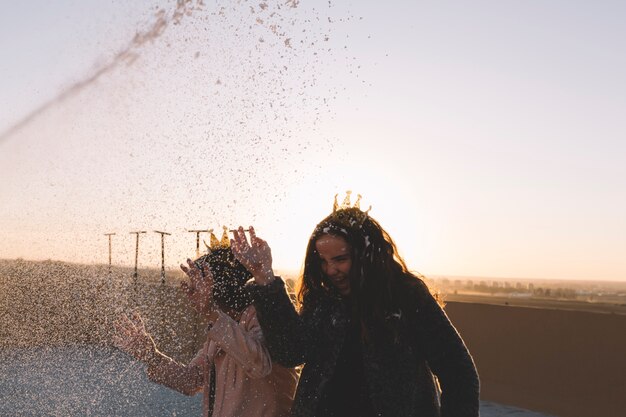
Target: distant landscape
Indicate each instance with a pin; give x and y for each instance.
(51, 303)
(612, 292)
(595, 296)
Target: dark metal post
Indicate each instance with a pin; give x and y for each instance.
(136, 275)
(162, 254)
(109, 235)
(197, 232)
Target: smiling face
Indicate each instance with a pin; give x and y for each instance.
(335, 260)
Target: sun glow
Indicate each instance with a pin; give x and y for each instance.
(393, 203)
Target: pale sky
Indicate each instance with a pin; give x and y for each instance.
(488, 136)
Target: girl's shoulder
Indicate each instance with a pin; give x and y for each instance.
(414, 295)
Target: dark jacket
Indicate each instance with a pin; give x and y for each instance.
(399, 365)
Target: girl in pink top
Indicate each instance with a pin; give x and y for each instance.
(233, 369)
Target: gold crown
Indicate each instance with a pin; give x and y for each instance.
(357, 216)
(224, 243)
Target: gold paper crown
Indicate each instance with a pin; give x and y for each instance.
(224, 243)
(357, 216)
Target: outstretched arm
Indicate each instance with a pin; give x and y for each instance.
(186, 379)
(132, 337)
(283, 328)
(448, 358)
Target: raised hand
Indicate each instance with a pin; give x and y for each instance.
(199, 289)
(131, 337)
(256, 255)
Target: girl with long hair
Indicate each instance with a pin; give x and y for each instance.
(373, 339)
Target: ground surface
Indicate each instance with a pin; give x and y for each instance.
(102, 382)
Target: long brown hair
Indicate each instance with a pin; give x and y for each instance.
(377, 267)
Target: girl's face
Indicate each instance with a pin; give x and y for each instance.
(336, 261)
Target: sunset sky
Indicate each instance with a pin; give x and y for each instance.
(488, 136)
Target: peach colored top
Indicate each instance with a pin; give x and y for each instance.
(247, 382)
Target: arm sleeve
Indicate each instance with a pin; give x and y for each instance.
(245, 345)
(186, 379)
(448, 358)
(283, 329)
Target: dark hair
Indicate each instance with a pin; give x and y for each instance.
(376, 265)
(229, 279)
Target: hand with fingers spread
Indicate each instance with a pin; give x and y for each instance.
(199, 288)
(255, 255)
(132, 337)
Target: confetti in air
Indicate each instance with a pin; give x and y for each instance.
(126, 56)
(227, 90)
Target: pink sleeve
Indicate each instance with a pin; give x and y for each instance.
(186, 379)
(243, 342)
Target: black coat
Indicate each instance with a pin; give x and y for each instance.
(398, 365)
